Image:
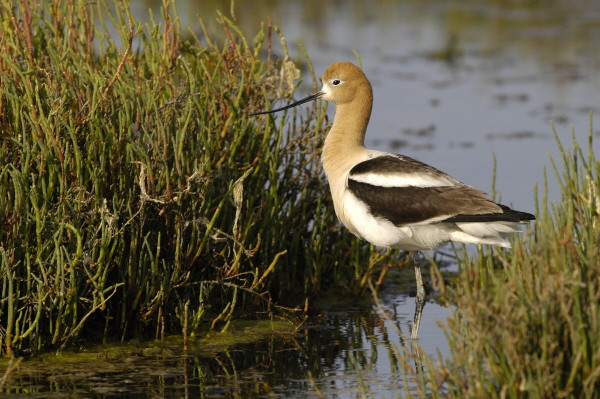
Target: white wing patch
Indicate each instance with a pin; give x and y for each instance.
(401, 180)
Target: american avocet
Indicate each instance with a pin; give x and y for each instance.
(392, 200)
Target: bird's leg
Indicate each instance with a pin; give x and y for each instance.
(420, 297)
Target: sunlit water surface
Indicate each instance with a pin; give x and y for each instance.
(346, 353)
(454, 83)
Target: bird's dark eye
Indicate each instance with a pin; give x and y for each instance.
(336, 82)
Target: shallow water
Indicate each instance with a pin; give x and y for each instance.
(455, 82)
(346, 353)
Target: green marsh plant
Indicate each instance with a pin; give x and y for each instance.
(138, 198)
(527, 320)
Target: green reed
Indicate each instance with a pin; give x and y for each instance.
(137, 195)
(528, 319)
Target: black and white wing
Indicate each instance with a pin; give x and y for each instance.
(406, 191)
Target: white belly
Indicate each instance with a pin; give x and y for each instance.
(427, 234)
(355, 215)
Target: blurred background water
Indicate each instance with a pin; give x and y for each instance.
(455, 83)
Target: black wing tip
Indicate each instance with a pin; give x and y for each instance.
(507, 215)
(521, 216)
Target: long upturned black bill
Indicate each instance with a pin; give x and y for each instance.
(304, 100)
